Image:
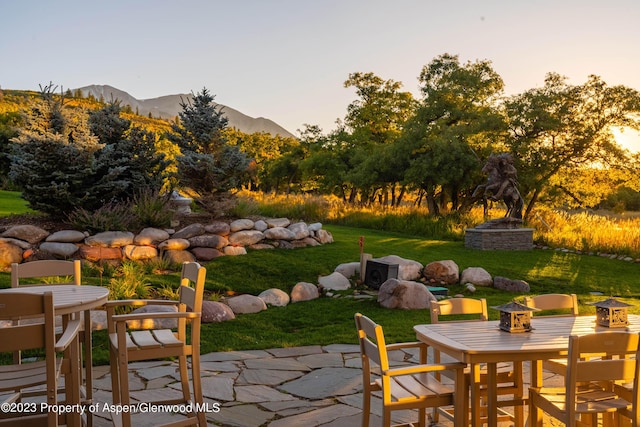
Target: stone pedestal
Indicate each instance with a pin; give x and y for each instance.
(519, 239)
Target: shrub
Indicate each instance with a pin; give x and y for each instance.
(151, 209)
(111, 217)
(129, 282)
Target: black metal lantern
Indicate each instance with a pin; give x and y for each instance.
(612, 313)
(515, 317)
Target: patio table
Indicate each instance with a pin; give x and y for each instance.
(478, 343)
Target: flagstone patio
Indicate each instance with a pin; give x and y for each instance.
(283, 387)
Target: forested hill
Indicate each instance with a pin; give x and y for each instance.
(168, 107)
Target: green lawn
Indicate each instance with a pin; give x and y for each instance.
(330, 320)
(11, 203)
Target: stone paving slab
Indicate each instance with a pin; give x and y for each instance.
(291, 387)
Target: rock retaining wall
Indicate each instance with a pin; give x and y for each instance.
(195, 242)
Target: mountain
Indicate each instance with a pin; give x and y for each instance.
(168, 107)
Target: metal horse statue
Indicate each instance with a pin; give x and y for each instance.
(502, 183)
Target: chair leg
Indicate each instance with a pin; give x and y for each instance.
(535, 414)
(88, 359)
(197, 390)
(115, 383)
(366, 406)
(123, 368)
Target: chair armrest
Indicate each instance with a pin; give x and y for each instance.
(69, 333)
(424, 348)
(140, 302)
(140, 316)
(398, 346)
(418, 369)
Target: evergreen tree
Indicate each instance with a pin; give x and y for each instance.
(129, 162)
(208, 164)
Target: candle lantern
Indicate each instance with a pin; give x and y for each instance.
(612, 313)
(515, 317)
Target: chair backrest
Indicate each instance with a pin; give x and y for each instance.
(192, 286)
(620, 352)
(568, 303)
(477, 308)
(15, 336)
(372, 344)
(54, 272)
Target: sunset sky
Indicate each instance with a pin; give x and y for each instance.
(287, 60)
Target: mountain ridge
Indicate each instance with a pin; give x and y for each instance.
(168, 106)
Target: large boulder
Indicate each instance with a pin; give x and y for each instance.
(477, 276)
(275, 297)
(178, 257)
(218, 227)
(444, 272)
(304, 291)
(245, 237)
(99, 253)
(246, 304)
(206, 254)
(278, 222)
(300, 230)
(28, 233)
(335, 281)
(241, 224)
(150, 236)
(66, 236)
(348, 269)
(9, 253)
(189, 231)
(404, 294)
(324, 236)
(140, 253)
(174, 245)
(110, 239)
(208, 241)
(59, 249)
(279, 233)
(234, 250)
(509, 285)
(407, 269)
(214, 311)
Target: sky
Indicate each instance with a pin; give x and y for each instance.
(287, 60)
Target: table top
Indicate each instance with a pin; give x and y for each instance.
(69, 298)
(477, 342)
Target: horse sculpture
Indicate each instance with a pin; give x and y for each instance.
(502, 183)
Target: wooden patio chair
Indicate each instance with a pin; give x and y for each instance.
(59, 272)
(406, 387)
(555, 305)
(135, 345)
(18, 381)
(510, 376)
(591, 384)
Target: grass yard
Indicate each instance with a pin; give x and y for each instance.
(11, 203)
(330, 320)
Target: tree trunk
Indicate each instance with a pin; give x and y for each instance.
(532, 202)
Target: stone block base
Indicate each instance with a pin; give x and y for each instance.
(519, 239)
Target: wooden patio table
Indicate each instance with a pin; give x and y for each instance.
(68, 302)
(478, 343)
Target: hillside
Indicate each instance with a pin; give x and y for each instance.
(168, 106)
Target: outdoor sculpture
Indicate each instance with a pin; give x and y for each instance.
(502, 183)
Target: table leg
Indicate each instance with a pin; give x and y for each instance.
(492, 394)
(536, 381)
(474, 376)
